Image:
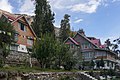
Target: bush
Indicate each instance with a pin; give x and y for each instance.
(69, 63)
(111, 72)
(1, 63)
(91, 73)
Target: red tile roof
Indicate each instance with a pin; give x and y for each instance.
(9, 17)
(96, 42)
(103, 46)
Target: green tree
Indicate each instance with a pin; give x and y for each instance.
(61, 53)
(108, 44)
(116, 45)
(65, 28)
(98, 64)
(43, 21)
(6, 37)
(92, 64)
(102, 63)
(70, 61)
(44, 50)
(52, 54)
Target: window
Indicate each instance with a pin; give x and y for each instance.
(16, 37)
(22, 48)
(12, 47)
(22, 27)
(29, 41)
(89, 45)
(85, 46)
(88, 55)
(98, 53)
(72, 45)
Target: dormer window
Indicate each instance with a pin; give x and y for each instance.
(22, 27)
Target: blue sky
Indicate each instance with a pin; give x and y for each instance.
(99, 18)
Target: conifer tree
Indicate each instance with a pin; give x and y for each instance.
(65, 28)
(43, 21)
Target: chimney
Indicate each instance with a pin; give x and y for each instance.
(81, 31)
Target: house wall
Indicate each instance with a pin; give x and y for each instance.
(104, 55)
(100, 54)
(88, 56)
(111, 56)
(84, 44)
(73, 47)
(22, 37)
(90, 53)
(23, 34)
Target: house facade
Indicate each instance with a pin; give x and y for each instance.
(91, 49)
(25, 36)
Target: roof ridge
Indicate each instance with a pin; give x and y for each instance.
(72, 40)
(87, 39)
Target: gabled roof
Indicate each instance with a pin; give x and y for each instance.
(103, 46)
(85, 39)
(16, 19)
(69, 38)
(22, 16)
(96, 42)
(9, 17)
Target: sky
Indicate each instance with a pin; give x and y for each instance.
(98, 18)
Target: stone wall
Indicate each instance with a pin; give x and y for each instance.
(43, 76)
(18, 58)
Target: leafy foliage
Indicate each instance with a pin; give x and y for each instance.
(114, 46)
(52, 54)
(92, 64)
(108, 44)
(6, 33)
(111, 72)
(6, 37)
(100, 63)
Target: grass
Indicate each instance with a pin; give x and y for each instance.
(117, 79)
(33, 69)
(38, 69)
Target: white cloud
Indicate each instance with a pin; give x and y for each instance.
(57, 25)
(86, 6)
(5, 5)
(78, 20)
(89, 7)
(59, 4)
(28, 7)
(56, 4)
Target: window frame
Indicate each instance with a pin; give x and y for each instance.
(22, 26)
